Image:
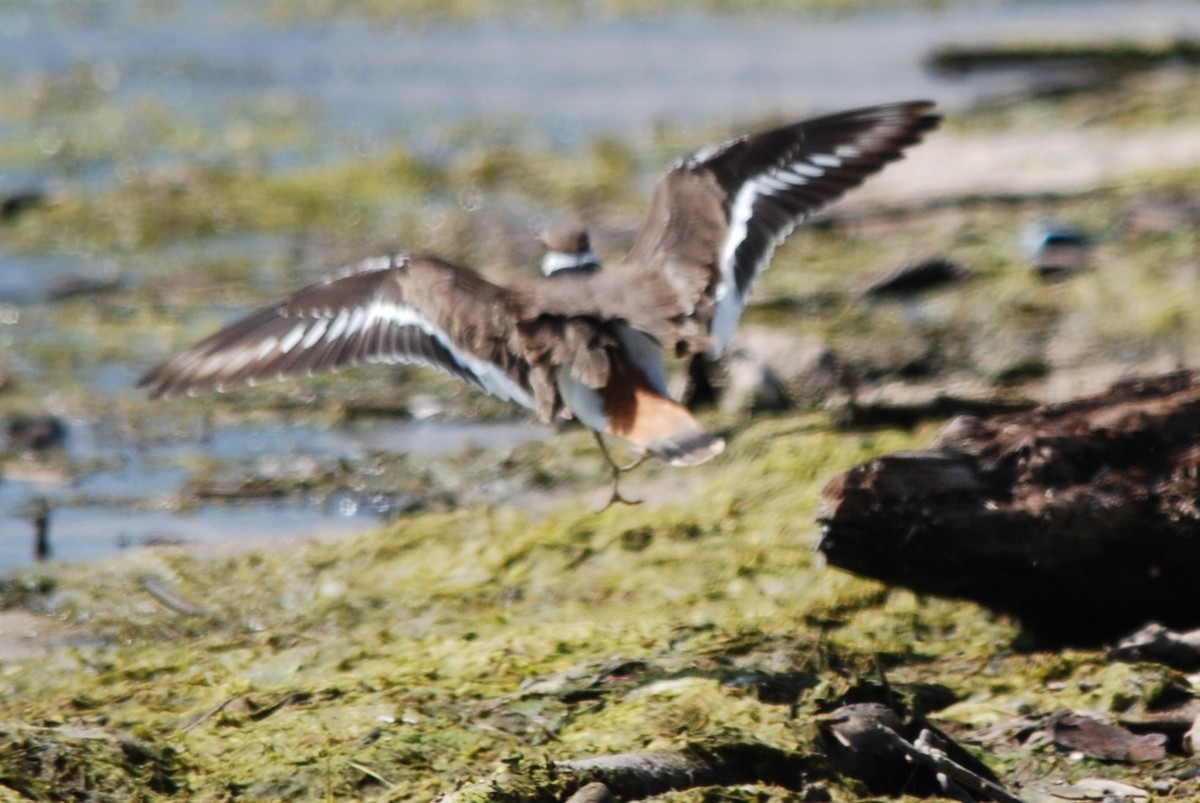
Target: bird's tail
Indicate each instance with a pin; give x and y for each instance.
(654, 423)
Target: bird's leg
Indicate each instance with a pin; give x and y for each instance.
(616, 474)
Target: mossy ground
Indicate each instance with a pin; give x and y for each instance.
(452, 644)
(446, 646)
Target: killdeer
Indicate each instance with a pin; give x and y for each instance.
(582, 340)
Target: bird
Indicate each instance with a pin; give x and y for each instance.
(582, 340)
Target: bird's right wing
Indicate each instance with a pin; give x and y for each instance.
(716, 217)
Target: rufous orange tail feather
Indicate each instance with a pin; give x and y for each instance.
(656, 424)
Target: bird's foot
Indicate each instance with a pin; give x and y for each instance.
(616, 498)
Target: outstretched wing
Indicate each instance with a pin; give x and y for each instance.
(717, 215)
(400, 309)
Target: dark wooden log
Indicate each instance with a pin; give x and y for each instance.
(1162, 645)
(1080, 518)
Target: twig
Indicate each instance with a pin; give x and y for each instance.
(169, 599)
(372, 774)
(926, 753)
(288, 699)
(212, 712)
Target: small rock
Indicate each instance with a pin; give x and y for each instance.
(817, 794)
(1113, 789)
(1158, 216)
(1055, 249)
(35, 433)
(72, 287)
(423, 405)
(1097, 739)
(14, 203)
(916, 277)
(1191, 739)
(769, 370)
(594, 792)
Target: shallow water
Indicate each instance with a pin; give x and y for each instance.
(367, 83)
(359, 86)
(126, 500)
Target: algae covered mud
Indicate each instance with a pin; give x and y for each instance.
(495, 624)
(166, 166)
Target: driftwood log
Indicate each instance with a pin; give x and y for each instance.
(1080, 518)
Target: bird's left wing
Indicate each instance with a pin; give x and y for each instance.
(400, 309)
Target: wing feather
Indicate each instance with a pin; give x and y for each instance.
(717, 216)
(389, 310)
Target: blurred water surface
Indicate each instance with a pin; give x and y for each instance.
(365, 82)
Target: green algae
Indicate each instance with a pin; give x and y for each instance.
(479, 642)
(405, 652)
(40, 763)
(405, 662)
(1129, 102)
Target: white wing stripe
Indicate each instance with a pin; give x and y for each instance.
(379, 315)
(339, 325)
(237, 360)
(814, 168)
(729, 300)
(780, 179)
(773, 183)
(266, 347)
(493, 379)
(825, 160)
(357, 318)
(314, 334)
(790, 176)
(289, 341)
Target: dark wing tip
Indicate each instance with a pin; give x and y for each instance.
(164, 381)
(156, 387)
(924, 114)
(912, 108)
